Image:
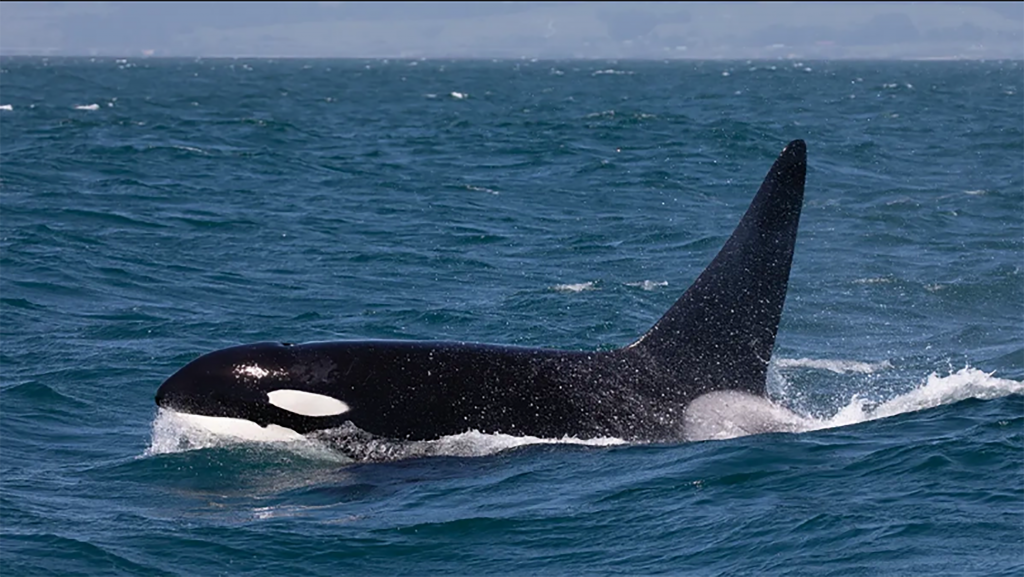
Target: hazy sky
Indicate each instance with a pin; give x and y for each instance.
(517, 29)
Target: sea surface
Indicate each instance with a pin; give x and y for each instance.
(153, 210)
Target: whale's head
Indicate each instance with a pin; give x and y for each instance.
(265, 383)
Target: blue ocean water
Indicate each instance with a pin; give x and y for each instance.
(154, 210)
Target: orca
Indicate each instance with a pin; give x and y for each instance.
(716, 341)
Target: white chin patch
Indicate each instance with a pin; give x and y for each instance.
(239, 428)
(306, 404)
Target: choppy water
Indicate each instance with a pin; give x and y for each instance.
(154, 210)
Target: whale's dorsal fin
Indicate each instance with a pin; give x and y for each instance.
(720, 333)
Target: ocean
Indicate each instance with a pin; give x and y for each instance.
(152, 210)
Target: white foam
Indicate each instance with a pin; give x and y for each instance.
(575, 288)
(459, 95)
(474, 443)
(967, 383)
(834, 365)
(288, 511)
(875, 280)
(361, 446)
(648, 285)
(175, 432)
(6, 107)
(729, 414)
(481, 189)
(93, 106)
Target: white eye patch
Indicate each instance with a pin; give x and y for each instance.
(306, 404)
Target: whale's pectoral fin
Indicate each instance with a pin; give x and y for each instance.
(720, 333)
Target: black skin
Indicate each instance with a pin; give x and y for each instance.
(718, 336)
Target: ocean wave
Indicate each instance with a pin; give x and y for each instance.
(966, 383)
(738, 415)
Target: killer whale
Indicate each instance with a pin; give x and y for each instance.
(717, 338)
